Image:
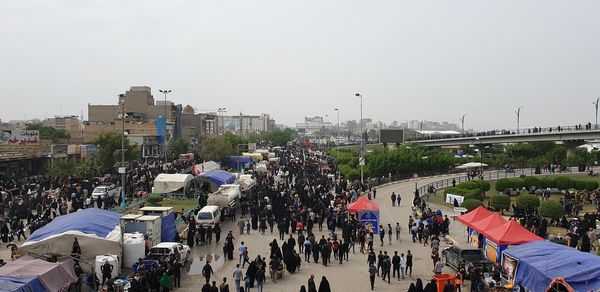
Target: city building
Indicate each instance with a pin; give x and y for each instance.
(71, 124)
(312, 125)
(142, 113)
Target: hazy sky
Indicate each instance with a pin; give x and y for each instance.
(425, 60)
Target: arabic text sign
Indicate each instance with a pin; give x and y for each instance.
(20, 137)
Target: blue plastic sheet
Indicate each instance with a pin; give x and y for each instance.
(89, 221)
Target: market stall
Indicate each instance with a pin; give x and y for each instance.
(478, 229)
(499, 238)
(31, 274)
(479, 213)
(97, 231)
(537, 265)
(166, 183)
(216, 178)
(367, 212)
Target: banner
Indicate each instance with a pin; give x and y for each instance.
(372, 219)
(450, 199)
(20, 137)
(509, 265)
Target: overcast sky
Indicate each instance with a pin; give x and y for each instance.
(423, 60)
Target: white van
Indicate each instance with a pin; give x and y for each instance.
(208, 216)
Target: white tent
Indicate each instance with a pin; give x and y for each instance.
(168, 183)
(471, 165)
(97, 231)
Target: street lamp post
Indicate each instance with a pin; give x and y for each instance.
(122, 168)
(596, 106)
(165, 92)
(337, 131)
(462, 121)
(518, 112)
(361, 159)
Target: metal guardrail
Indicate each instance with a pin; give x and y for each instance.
(489, 176)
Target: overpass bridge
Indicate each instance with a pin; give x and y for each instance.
(571, 137)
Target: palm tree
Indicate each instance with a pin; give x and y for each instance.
(87, 169)
(62, 167)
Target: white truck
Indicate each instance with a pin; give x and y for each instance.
(225, 196)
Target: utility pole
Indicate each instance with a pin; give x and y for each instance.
(122, 168)
(596, 106)
(462, 121)
(361, 159)
(337, 131)
(518, 112)
(165, 92)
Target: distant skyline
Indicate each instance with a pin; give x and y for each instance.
(411, 60)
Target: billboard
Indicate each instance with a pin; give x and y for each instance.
(60, 151)
(20, 137)
(391, 136)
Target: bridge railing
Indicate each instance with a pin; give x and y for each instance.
(524, 131)
(487, 175)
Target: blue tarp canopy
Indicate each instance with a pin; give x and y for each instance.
(219, 177)
(90, 221)
(541, 262)
(236, 161)
(21, 284)
(168, 228)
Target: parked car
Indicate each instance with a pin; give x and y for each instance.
(105, 191)
(465, 258)
(167, 249)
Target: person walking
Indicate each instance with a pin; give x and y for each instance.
(390, 234)
(242, 250)
(393, 197)
(260, 279)
(207, 271)
(381, 234)
(176, 269)
(409, 263)
(372, 273)
(398, 198)
(386, 267)
(237, 277)
(312, 287)
(396, 265)
(224, 287)
(398, 230)
(438, 267)
(402, 265)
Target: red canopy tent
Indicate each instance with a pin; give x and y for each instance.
(362, 204)
(511, 233)
(478, 214)
(489, 222)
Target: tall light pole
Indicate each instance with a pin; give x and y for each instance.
(222, 111)
(361, 159)
(518, 112)
(122, 168)
(337, 128)
(596, 106)
(165, 92)
(462, 121)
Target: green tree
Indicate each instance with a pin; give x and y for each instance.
(178, 146)
(563, 182)
(500, 202)
(217, 149)
(62, 167)
(108, 155)
(471, 204)
(49, 133)
(551, 209)
(527, 201)
(87, 169)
